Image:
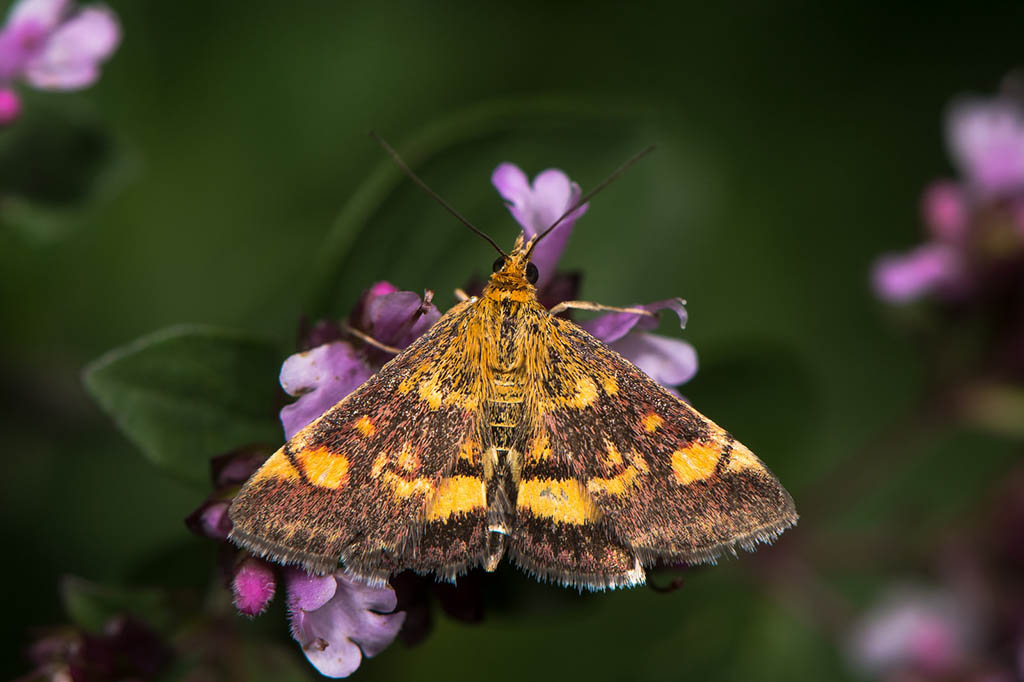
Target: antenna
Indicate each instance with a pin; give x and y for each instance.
(432, 193)
(590, 195)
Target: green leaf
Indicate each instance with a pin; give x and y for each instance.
(189, 392)
(90, 605)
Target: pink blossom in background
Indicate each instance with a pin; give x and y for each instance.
(913, 630)
(974, 223)
(53, 45)
(903, 278)
(985, 138)
(10, 106)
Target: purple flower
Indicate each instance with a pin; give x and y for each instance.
(319, 378)
(986, 140)
(976, 225)
(52, 45)
(391, 317)
(253, 586)
(322, 376)
(668, 361)
(10, 106)
(945, 211)
(903, 278)
(913, 629)
(125, 649)
(338, 620)
(228, 471)
(537, 207)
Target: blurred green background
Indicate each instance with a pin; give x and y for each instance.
(231, 181)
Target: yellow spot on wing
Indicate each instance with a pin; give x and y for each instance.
(741, 458)
(616, 485)
(407, 459)
(410, 487)
(379, 464)
(540, 449)
(562, 500)
(457, 495)
(365, 426)
(695, 462)
(277, 467)
(652, 422)
(611, 386)
(466, 402)
(323, 468)
(586, 393)
(613, 458)
(430, 393)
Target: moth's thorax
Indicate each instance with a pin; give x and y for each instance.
(505, 286)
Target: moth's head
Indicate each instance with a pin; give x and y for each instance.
(516, 268)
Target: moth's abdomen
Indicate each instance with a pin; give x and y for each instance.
(504, 411)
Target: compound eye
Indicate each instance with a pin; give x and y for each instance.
(532, 273)
(498, 264)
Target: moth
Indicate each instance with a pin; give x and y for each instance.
(508, 431)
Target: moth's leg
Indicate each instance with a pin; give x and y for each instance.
(366, 338)
(587, 305)
(461, 295)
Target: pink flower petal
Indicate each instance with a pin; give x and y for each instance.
(945, 211)
(536, 208)
(10, 107)
(900, 279)
(613, 326)
(355, 622)
(19, 43)
(320, 378)
(399, 318)
(71, 58)
(552, 196)
(45, 13)
(213, 521)
(911, 628)
(668, 361)
(309, 592)
(986, 140)
(511, 182)
(253, 586)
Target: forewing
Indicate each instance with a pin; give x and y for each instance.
(666, 481)
(389, 478)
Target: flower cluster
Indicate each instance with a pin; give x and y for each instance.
(335, 619)
(967, 625)
(125, 649)
(51, 45)
(975, 224)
